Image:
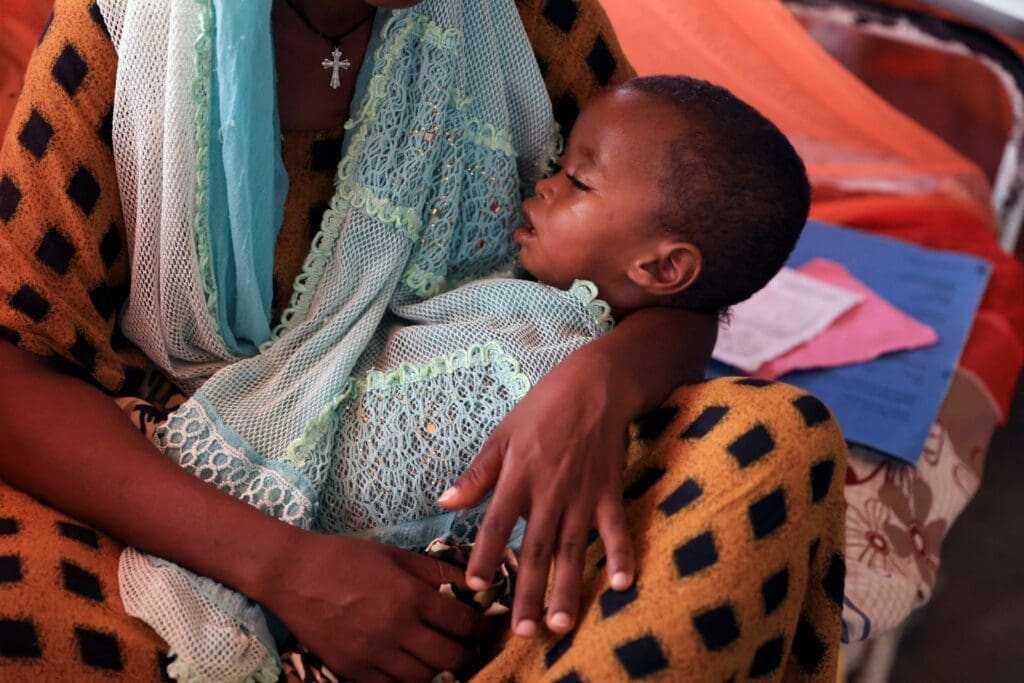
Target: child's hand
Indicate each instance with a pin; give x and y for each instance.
(557, 459)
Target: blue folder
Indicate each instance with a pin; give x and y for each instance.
(889, 404)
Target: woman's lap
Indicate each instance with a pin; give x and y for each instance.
(735, 500)
(738, 565)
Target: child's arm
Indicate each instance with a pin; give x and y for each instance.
(558, 458)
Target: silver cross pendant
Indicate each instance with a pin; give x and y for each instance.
(336, 64)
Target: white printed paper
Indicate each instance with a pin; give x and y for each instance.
(790, 310)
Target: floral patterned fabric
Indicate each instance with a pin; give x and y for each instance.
(898, 515)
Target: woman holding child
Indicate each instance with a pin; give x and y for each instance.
(145, 150)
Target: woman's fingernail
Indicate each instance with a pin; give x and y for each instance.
(620, 581)
(526, 628)
(560, 620)
(447, 495)
(477, 583)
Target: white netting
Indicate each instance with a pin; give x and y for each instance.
(383, 378)
(211, 647)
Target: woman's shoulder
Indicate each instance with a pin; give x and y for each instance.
(577, 50)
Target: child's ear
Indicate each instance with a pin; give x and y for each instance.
(668, 269)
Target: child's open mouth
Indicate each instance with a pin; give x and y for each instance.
(527, 232)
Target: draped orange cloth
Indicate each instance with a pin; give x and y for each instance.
(871, 166)
(21, 22)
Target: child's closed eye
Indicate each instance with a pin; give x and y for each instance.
(576, 182)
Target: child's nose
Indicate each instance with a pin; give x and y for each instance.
(546, 186)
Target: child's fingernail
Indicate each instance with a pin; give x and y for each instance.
(560, 620)
(447, 495)
(620, 581)
(526, 628)
(476, 583)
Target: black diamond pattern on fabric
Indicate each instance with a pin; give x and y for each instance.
(83, 190)
(642, 657)
(561, 13)
(8, 526)
(558, 650)
(643, 483)
(683, 496)
(653, 424)
(10, 197)
(566, 111)
(76, 532)
(102, 300)
(707, 421)
(35, 135)
(18, 639)
(754, 382)
(834, 579)
(717, 627)
(813, 410)
(98, 649)
(808, 648)
(10, 569)
(70, 70)
(83, 352)
(768, 513)
(752, 446)
(7, 334)
(613, 601)
(80, 581)
(571, 677)
(30, 302)
(767, 658)
(601, 61)
(541, 63)
(106, 128)
(315, 218)
(55, 251)
(46, 29)
(97, 16)
(821, 479)
(774, 590)
(696, 554)
(110, 245)
(325, 155)
(812, 551)
(132, 382)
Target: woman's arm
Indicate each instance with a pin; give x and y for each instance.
(68, 444)
(558, 456)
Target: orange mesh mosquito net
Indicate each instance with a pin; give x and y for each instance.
(871, 166)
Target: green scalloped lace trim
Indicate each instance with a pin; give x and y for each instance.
(201, 87)
(585, 292)
(489, 354)
(269, 671)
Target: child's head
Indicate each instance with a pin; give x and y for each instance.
(671, 191)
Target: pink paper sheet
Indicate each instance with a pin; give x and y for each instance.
(871, 329)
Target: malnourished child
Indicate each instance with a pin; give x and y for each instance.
(671, 192)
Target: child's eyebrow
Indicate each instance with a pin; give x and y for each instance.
(589, 156)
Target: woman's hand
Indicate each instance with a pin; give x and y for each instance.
(558, 458)
(372, 612)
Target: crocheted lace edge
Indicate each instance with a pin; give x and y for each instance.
(477, 355)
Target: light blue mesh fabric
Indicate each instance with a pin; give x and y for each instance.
(384, 377)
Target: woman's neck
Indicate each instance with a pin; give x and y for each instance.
(334, 16)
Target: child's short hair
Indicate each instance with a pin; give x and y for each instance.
(736, 189)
